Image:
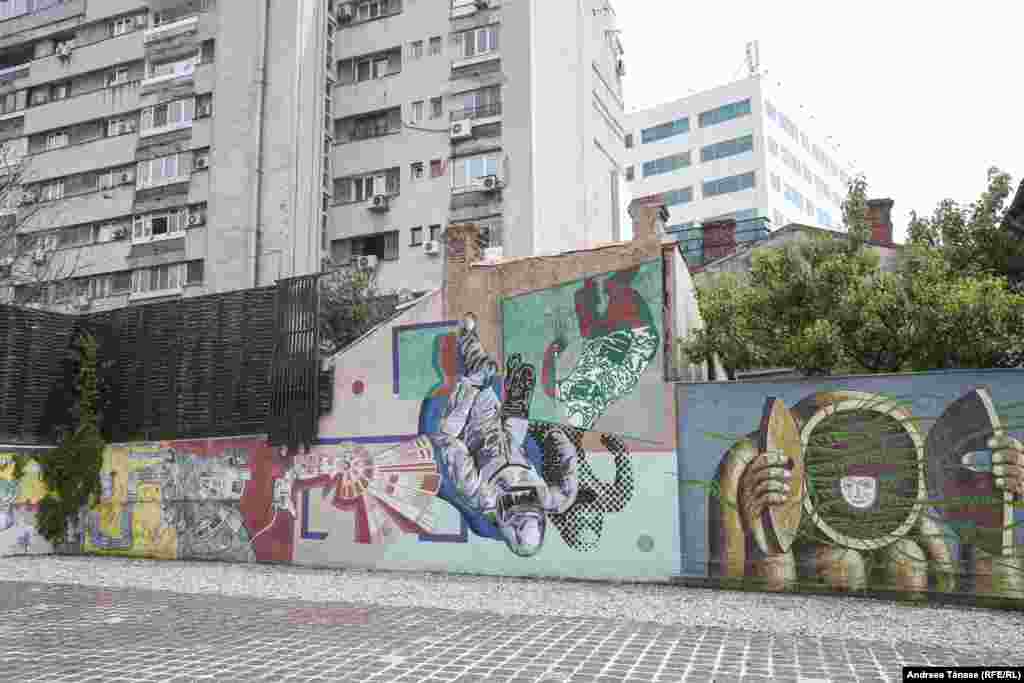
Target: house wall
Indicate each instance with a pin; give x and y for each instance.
(890, 506)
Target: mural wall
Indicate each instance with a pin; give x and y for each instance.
(19, 500)
(467, 470)
(200, 499)
(901, 482)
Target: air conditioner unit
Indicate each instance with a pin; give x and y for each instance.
(379, 202)
(29, 198)
(366, 262)
(64, 50)
(82, 302)
(432, 247)
(461, 130)
(126, 178)
(202, 162)
(39, 256)
(202, 110)
(491, 182)
(195, 219)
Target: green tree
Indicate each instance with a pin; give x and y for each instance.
(72, 471)
(824, 305)
(350, 306)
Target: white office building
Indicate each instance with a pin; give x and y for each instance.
(739, 151)
(506, 113)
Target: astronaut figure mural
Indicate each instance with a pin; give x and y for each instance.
(481, 448)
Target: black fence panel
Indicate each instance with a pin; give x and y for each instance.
(190, 368)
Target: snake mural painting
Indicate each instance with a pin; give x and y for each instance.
(598, 342)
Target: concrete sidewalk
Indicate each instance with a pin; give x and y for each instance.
(73, 618)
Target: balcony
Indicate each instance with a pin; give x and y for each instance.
(178, 71)
(490, 56)
(489, 112)
(96, 104)
(13, 73)
(467, 8)
(172, 29)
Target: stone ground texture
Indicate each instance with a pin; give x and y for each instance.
(107, 619)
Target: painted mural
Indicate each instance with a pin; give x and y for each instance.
(598, 346)
(911, 483)
(19, 500)
(475, 452)
(203, 499)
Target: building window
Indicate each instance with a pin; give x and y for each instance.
(436, 107)
(363, 187)
(416, 170)
(478, 41)
(57, 139)
(629, 141)
(683, 195)
(416, 49)
(735, 183)
(436, 168)
(77, 236)
(416, 236)
(773, 146)
(467, 172)
(159, 225)
(162, 170)
(194, 274)
(117, 76)
(52, 191)
(665, 130)
(666, 164)
(177, 113)
(373, 9)
(61, 90)
(121, 26)
(371, 126)
(417, 111)
(435, 46)
(372, 68)
(727, 148)
(776, 183)
(120, 126)
(435, 232)
(167, 278)
(479, 103)
(794, 198)
(726, 112)
(824, 218)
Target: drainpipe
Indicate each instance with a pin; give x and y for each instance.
(261, 83)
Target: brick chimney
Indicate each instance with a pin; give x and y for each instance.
(649, 218)
(880, 218)
(719, 239)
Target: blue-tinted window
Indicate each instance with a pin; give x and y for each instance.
(794, 198)
(734, 183)
(727, 148)
(683, 195)
(726, 112)
(666, 164)
(825, 218)
(665, 130)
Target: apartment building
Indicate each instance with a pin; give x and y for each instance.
(741, 151)
(165, 147)
(504, 113)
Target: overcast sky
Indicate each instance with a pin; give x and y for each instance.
(922, 96)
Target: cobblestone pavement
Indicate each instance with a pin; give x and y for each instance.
(56, 632)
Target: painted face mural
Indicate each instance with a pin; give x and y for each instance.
(596, 342)
(476, 452)
(849, 488)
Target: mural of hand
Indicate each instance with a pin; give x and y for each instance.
(766, 482)
(1008, 463)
